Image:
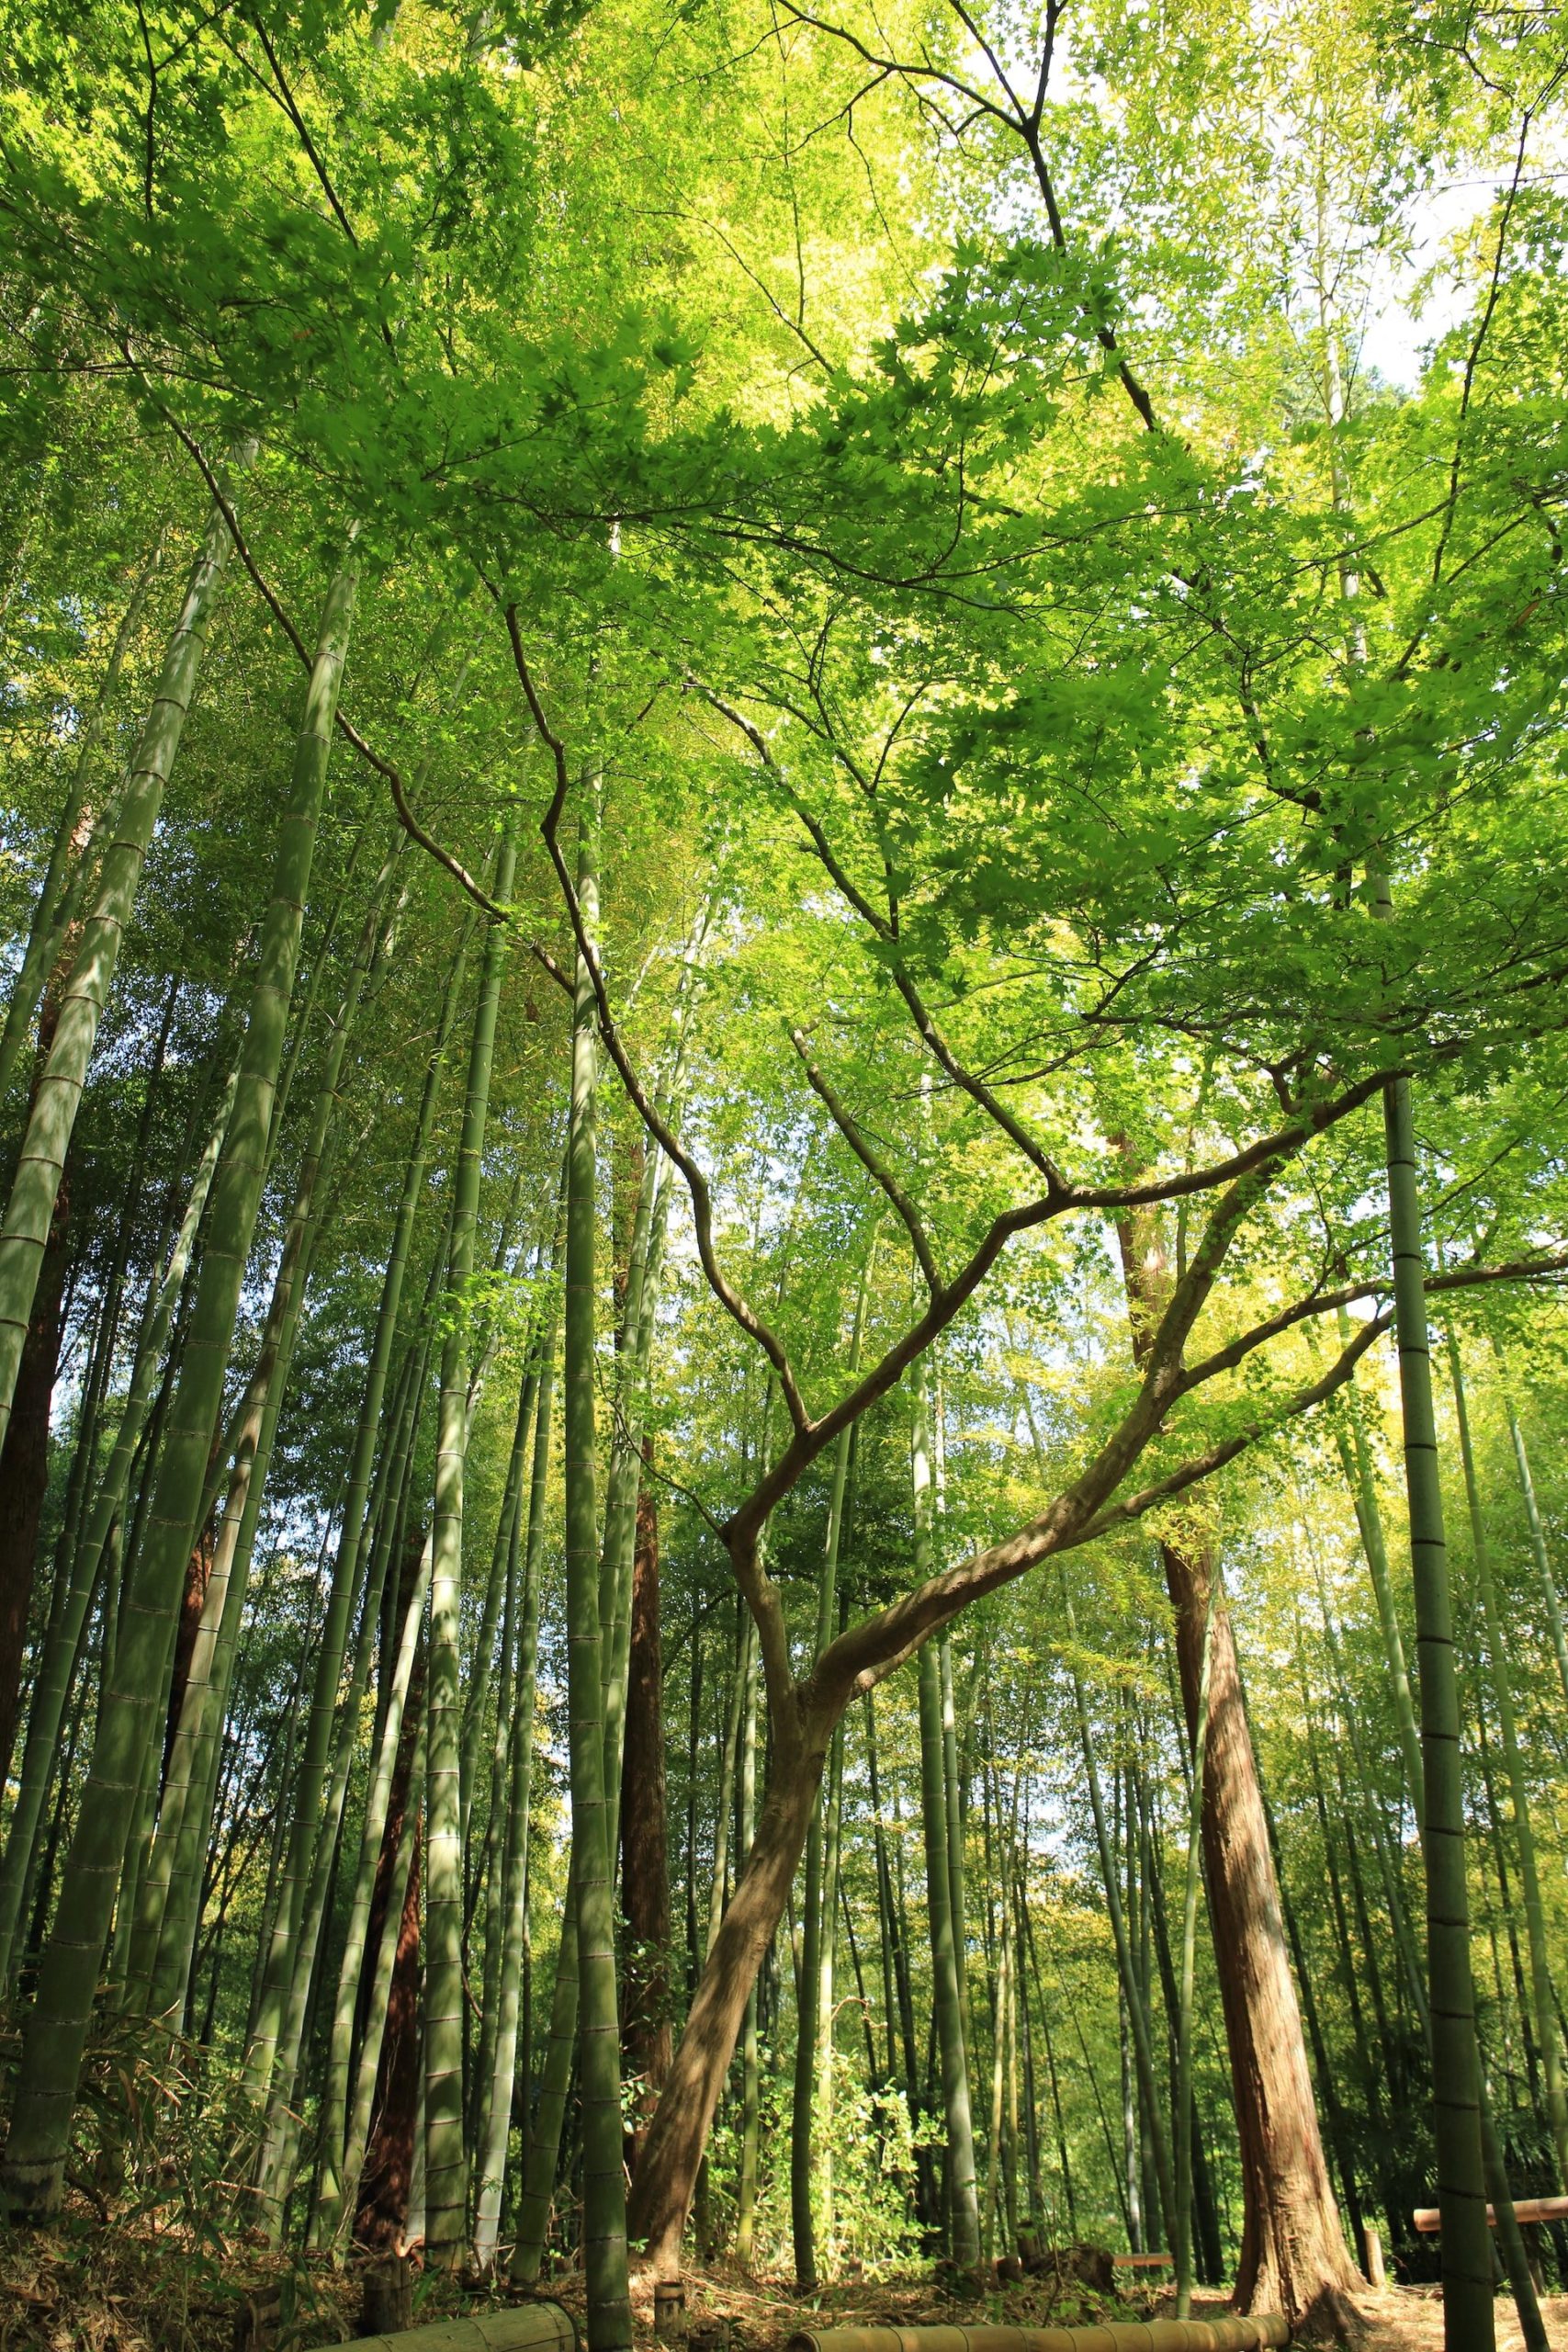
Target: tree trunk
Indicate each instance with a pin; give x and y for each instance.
(56, 1672)
(943, 1883)
(447, 2161)
(24, 1467)
(1456, 2060)
(645, 1837)
(57, 2031)
(30, 1210)
(667, 2175)
(1541, 1992)
(1293, 2255)
(496, 2117)
(603, 2183)
(382, 2216)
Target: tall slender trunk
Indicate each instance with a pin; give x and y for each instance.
(963, 2200)
(496, 2124)
(172, 1893)
(661, 2194)
(1550, 1597)
(345, 2114)
(1137, 2017)
(29, 1213)
(1466, 2248)
(1190, 1890)
(822, 1915)
(603, 2185)
(1293, 2255)
(1542, 1995)
(24, 1464)
(817, 1930)
(308, 1824)
(445, 2158)
(33, 2167)
(1356, 1461)
(90, 1563)
(386, 2184)
(60, 891)
(645, 1833)
(750, 2069)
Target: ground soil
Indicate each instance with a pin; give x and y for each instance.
(124, 2292)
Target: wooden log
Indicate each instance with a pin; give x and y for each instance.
(1372, 2256)
(1262, 2333)
(1429, 2218)
(1141, 2261)
(523, 2328)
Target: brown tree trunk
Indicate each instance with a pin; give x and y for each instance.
(24, 1468)
(199, 1575)
(1293, 2255)
(667, 2175)
(381, 2218)
(645, 1839)
(397, 1790)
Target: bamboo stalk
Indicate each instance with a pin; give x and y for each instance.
(504, 2331)
(1429, 2219)
(1227, 2334)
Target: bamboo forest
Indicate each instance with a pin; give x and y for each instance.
(784, 1175)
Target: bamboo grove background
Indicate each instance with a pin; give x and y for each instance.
(343, 1331)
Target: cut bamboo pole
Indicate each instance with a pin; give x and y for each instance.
(1429, 2221)
(1227, 2334)
(527, 2327)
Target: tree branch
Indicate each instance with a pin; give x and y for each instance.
(879, 1173)
(696, 1182)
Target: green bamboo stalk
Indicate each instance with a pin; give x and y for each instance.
(59, 1655)
(1538, 1552)
(284, 1944)
(1462, 2183)
(613, 1587)
(340, 2169)
(499, 1599)
(32, 2171)
(36, 1187)
(832, 1849)
(446, 2158)
(1541, 1995)
(1137, 2013)
(491, 1871)
(496, 2124)
(1356, 1459)
(808, 2033)
(170, 1900)
(59, 897)
(604, 2178)
(963, 2200)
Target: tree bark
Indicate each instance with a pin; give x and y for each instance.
(383, 2208)
(667, 2175)
(1293, 2255)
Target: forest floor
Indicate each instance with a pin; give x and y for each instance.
(127, 2290)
